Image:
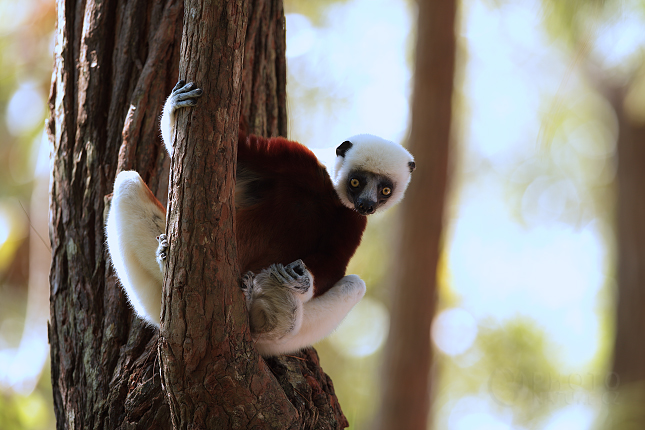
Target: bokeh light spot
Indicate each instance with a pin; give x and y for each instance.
(454, 331)
(26, 109)
(363, 331)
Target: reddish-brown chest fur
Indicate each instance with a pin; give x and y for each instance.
(290, 211)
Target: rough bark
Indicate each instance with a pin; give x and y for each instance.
(212, 375)
(264, 79)
(115, 62)
(103, 374)
(406, 394)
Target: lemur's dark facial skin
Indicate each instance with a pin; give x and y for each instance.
(367, 190)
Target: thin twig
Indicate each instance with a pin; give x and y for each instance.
(34, 228)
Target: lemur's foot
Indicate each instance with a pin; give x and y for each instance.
(247, 283)
(185, 95)
(162, 249)
(294, 275)
(275, 299)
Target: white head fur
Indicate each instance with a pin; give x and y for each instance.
(376, 155)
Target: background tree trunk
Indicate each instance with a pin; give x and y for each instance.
(629, 350)
(115, 62)
(406, 399)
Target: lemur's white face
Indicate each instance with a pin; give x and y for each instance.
(371, 173)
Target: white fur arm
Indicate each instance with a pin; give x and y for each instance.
(135, 220)
(183, 95)
(320, 316)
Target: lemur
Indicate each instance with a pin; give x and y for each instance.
(296, 229)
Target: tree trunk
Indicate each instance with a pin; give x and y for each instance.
(629, 350)
(112, 61)
(115, 62)
(406, 399)
(213, 376)
(264, 78)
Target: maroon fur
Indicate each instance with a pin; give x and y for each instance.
(295, 212)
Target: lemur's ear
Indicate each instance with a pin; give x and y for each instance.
(412, 166)
(343, 148)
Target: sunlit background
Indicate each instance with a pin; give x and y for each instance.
(524, 329)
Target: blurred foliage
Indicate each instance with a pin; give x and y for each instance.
(519, 374)
(509, 374)
(605, 37)
(558, 174)
(312, 9)
(575, 155)
(26, 44)
(608, 41)
(507, 365)
(32, 412)
(26, 58)
(26, 48)
(568, 19)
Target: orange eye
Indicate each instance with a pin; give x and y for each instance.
(354, 182)
(386, 191)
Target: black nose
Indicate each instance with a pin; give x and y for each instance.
(365, 207)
